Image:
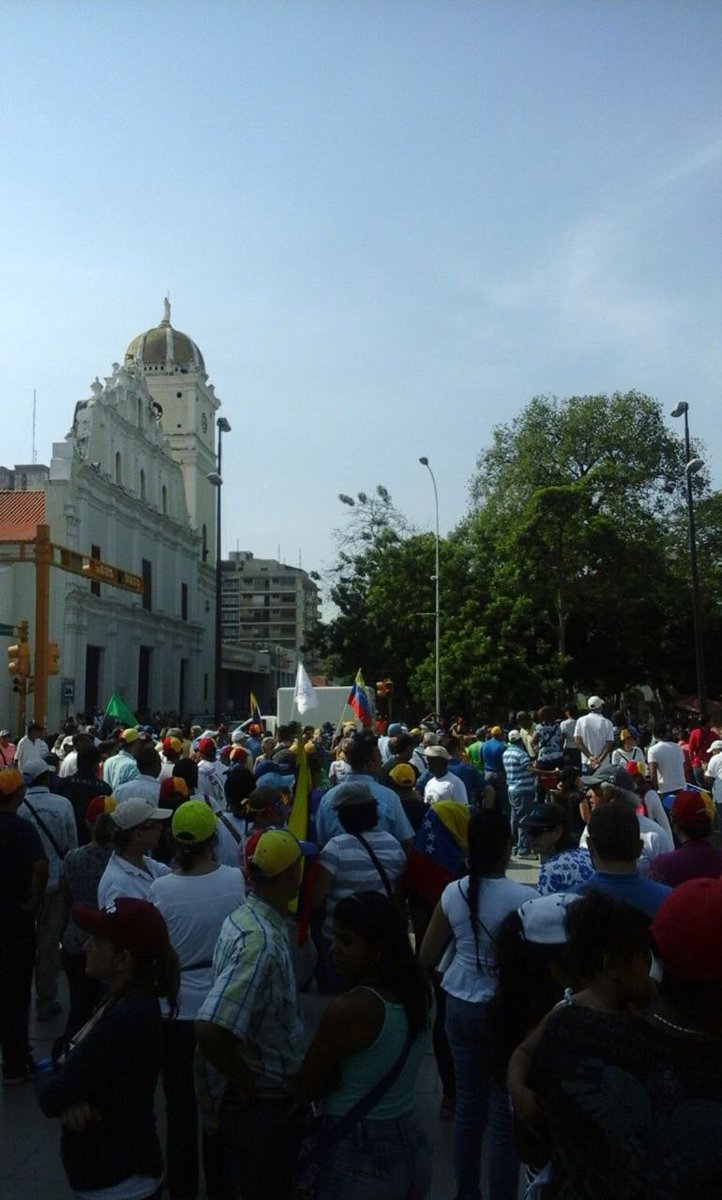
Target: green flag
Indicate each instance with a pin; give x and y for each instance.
(119, 710)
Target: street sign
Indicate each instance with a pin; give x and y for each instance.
(68, 691)
(7, 631)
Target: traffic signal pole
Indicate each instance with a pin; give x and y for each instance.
(43, 557)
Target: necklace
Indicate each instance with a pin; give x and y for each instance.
(679, 1028)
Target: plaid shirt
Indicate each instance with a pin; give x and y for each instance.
(254, 996)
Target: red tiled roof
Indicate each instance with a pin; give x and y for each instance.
(20, 515)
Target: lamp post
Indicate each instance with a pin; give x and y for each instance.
(216, 479)
(425, 463)
(692, 466)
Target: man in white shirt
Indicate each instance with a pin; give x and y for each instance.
(442, 784)
(594, 735)
(53, 817)
(655, 840)
(136, 834)
(147, 784)
(31, 748)
(713, 773)
(666, 761)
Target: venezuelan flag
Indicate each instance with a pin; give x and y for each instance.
(358, 700)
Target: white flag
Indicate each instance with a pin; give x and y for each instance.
(304, 696)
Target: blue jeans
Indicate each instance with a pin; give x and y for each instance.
(479, 1100)
(378, 1160)
(520, 804)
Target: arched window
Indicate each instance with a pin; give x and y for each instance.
(118, 467)
(164, 500)
(142, 484)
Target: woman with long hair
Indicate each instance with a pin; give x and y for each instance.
(362, 1065)
(103, 1088)
(469, 915)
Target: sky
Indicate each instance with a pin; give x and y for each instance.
(388, 225)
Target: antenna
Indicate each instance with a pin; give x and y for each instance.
(34, 451)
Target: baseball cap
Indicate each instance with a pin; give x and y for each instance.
(131, 813)
(4, 733)
(496, 731)
(689, 807)
(543, 918)
(616, 775)
(352, 794)
(206, 745)
(171, 788)
(174, 744)
(595, 702)
(545, 816)
(716, 745)
(514, 735)
(436, 752)
(35, 768)
(403, 775)
(624, 734)
(129, 736)
(277, 849)
(97, 806)
(129, 923)
(10, 781)
(687, 930)
(193, 821)
(273, 768)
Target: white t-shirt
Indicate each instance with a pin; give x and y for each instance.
(714, 770)
(620, 757)
(69, 765)
(464, 978)
(595, 732)
(145, 787)
(449, 787)
(655, 840)
(567, 727)
(194, 908)
(670, 766)
(28, 751)
(122, 878)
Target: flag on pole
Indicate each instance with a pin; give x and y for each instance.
(298, 817)
(256, 712)
(304, 696)
(358, 700)
(118, 710)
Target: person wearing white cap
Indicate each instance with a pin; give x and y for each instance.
(594, 735)
(131, 870)
(7, 749)
(439, 783)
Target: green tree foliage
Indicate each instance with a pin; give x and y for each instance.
(570, 570)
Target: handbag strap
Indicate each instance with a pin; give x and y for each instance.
(377, 863)
(39, 821)
(363, 1106)
(231, 828)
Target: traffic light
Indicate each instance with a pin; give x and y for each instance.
(19, 661)
(53, 659)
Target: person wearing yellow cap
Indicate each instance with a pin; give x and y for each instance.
(250, 1032)
(24, 872)
(121, 767)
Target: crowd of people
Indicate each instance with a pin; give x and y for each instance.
(156, 869)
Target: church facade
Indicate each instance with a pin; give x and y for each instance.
(128, 486)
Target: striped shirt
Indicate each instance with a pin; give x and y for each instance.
(353, 870)
(516, 764)
(253, 995)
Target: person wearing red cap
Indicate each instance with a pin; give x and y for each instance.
(103, 1090)
(695, 856)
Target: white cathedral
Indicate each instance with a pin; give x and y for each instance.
(127, 486)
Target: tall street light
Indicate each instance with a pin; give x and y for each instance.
(425, 463)
(692, 466)
(216, 479)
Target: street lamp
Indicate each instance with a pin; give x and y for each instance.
(692, 466)
(425, 463)
(215, 478)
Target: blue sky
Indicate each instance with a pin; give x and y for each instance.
(387, 225)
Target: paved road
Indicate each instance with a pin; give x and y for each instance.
(29, 1157)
